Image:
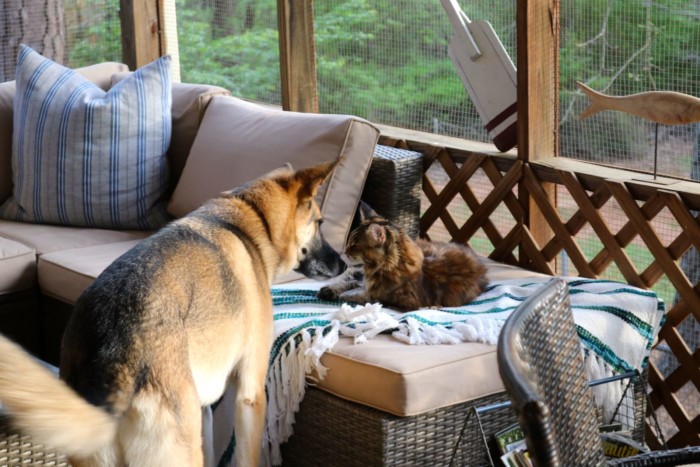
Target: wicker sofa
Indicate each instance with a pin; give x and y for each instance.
(45, 266)
(383, 403)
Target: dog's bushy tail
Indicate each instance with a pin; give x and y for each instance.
(44, 407)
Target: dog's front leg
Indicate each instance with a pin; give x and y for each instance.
(250, 409)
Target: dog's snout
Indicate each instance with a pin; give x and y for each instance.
(322, 263)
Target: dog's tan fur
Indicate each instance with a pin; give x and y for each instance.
(166, 326)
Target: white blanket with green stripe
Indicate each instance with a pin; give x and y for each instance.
(617, 324)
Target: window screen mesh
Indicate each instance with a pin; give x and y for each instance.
(232, 44)
(382, 60)
(621, 48)
(387, 61)
(71, 32)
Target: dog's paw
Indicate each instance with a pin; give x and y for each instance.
(327, 293)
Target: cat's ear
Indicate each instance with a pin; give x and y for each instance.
(377, 234)
(366, 211)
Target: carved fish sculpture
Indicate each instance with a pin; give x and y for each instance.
(667, 107)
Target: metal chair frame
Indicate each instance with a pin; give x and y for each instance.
(541, 363)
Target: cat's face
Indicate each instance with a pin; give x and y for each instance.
(367, 242)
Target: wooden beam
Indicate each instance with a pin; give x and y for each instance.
(141, 38)
(295, 19)
(538, 43)
(169, 45)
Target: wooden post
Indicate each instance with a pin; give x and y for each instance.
(538, 103)
(295, 20)
(141, 38)
(168, 38)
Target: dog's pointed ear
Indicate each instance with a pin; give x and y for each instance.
(284, 170)
(313, 177)
(377, 234)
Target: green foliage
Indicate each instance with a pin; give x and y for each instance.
(373, 63)
(419, 91)
(98, 42)
(366, 54)
(386, 60)
(654, 44)
(639, 46)
(246, 64)
(344, 26)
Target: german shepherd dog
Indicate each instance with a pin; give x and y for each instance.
(163, 329)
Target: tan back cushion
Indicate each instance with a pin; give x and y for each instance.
(189, 103)
(99, 74)
(239, 141)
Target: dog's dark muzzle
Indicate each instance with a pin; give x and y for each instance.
(322, 263)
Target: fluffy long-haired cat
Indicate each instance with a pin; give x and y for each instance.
(401, 273)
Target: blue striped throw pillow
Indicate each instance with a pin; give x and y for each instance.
(85, 157)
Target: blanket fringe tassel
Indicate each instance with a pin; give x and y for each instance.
(286, 385)
(613, 399)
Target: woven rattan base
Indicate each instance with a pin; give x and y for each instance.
(16, 450)
(330, 431)
(393, 186)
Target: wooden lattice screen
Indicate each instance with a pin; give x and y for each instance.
(612, 205)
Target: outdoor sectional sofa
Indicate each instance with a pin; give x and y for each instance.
(381, 403)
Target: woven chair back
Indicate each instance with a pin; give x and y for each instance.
(541, 363)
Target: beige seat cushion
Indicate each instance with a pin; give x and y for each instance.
(239, 141)
(47, 238)
(17, 266)
(65, 274)
(382, 373)
(411, 379)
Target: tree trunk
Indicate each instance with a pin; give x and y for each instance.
(37, 23)
(222, 21)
